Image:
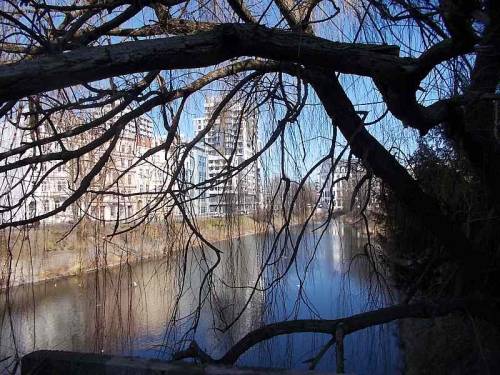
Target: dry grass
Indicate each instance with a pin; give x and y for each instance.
(47, 252)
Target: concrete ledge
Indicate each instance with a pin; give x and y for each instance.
(48, 362)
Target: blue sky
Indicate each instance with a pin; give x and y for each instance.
(315, 126)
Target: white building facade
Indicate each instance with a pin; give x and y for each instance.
(120, 191)
(231, 142)
(129, 182)
(195, 168)
(340, 184)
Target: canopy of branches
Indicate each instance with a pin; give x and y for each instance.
(75, 73)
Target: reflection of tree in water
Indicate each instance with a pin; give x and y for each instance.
(213, 294)
(125, 309)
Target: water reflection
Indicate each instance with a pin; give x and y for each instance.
(128, 309)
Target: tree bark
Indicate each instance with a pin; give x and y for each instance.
(477, 306)
(384, 165)
(194, 51)
(475, 126)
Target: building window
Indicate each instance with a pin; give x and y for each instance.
(32, 209)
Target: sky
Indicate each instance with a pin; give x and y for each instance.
(313, 127)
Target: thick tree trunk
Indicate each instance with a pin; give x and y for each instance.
(385, 166)
(201, 49)
(478, 133)
(476, 306)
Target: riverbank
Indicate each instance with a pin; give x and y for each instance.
(51, 252)
(134, 310)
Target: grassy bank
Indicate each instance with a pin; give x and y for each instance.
(52, 251)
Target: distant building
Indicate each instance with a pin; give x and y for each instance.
(232, 140)
(12, 182)
(341, 183)
(125, 187)
(196, 174)
(124, 192)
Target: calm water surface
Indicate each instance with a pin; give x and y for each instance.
(127, 310)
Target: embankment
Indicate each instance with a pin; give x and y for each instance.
(31, 255)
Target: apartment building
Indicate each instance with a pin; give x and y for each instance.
(231, 142)
(127, 185)
(122, 190)
(340, 184)
(195, 170)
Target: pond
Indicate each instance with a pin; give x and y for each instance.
(129, 309)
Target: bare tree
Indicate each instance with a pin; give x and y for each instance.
(425, 64)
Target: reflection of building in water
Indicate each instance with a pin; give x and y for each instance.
(337, 247)
(124, 309)
(340, 184)
(345, 243)
(239, 271)
(347, 249)
(232, 140)
(108, 312)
